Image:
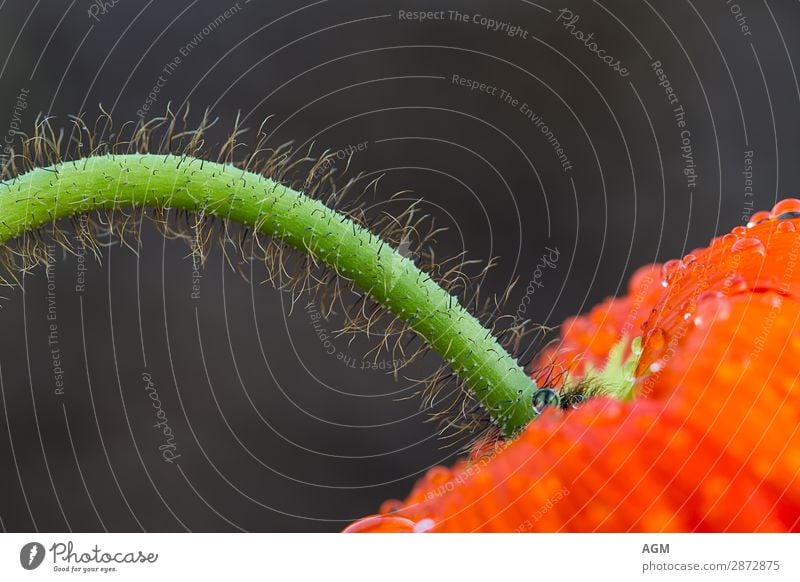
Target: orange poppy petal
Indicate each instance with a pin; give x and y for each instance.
(587, 339)
(712, 442)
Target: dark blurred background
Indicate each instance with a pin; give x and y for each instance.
(271, 432)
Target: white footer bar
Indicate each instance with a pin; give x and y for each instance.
(331, 557)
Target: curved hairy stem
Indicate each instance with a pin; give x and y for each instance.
(43, 195)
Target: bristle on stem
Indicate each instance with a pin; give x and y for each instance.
(42, 195)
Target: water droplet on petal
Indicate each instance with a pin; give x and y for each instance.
(758, 217)
(749, 245)
(669, 269)
(739, 231)
(572, 401)
(789, 205)
(439, 475)
(711, 305)
(391, 506)
(656, 367)
(729, 239)
(656, 340)
(424, 525)
(737, 284)
(689, 259)
(381, 523)
(636, 346)
(784, 227)
(629, 370)
(686, 309)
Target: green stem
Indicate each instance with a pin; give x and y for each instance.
(43, 195)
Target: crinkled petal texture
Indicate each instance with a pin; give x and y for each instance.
(587, 340)
(710, 443)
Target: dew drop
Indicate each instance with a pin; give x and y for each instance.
(686, 309)
(424, 525)
(758, 217)
(739, 231)
(636, 346)
(573, 401)
(789, 205)
(737, 284)
(438, 475)
(689, 259)
(784, 227)
(711, 305)
(656, 340)
(391, 506)
(629, 370)
(749, 245)
(656, 367)
(730, 238)
(543, 398)
(669, 269)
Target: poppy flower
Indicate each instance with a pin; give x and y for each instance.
(706, 439)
